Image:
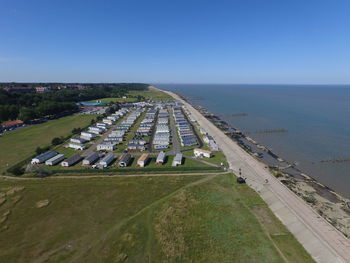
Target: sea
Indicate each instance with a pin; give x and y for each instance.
(315, 120)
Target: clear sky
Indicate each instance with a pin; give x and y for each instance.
(178, 41)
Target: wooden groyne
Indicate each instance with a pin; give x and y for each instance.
(336, 160)
(278, 130)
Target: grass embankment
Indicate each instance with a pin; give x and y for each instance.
(141, 219)
(151, 94)
(21, 144)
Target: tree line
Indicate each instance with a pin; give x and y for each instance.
(29, 106)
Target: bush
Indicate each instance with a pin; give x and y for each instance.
(56, 141)
(16, 170)
(76, 130)
(40, 150)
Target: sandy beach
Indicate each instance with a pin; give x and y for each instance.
(322, 240)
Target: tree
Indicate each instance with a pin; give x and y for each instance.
(56, 141)
(76, 130)
(27, 114)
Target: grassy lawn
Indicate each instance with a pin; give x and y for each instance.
(68, 152)
(21, 144)
(217, 158)
(140, 219)
(151, 94)
(108, 100)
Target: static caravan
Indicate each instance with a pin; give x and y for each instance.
(177, 159)
(107, 121)
(91, 159)
(213, 146)
(78, 140)
(125, 160)
(77, 146)
(55, 160)
(87, 135)
(95, 130)
(160, 158)
(110, 146)
(72, 160)
(43, 157)
(202, 153)
(107, 160)
(142, 161)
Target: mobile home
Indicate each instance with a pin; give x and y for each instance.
(43, 157)
(72, 160)
(55, 160)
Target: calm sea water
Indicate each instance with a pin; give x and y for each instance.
(317, 119)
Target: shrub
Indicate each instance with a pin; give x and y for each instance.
(16, 170)
(56, 141)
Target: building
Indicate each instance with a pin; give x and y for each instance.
(77, 146)
(71, 160)
(107, 160)
(95, 130)
(107, 121)
(42, 89)
(8, 125)
(125, 160)
(55, 160)
(142, 161)
(43, 157)
(91, 159)
(19, 89)
(213, 146)
(177, 159)
(202, 153)
(208, 138)
(202, 131)
(87, 135)
(160, 158)
(107, 146)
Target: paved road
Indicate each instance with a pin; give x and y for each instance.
(324, 243)
(108, 176)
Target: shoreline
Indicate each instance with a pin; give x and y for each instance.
(298, 216)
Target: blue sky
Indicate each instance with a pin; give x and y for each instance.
(237, 41)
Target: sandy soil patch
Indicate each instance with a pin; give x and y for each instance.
(42, 203)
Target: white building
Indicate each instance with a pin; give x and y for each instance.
(177, 159)
(142, 160)
(107, 160)
(213, 146)
(202, 131)
(110, 146)
(43, 157)
(87, 135)
(160, 158)
(91, 159)
(202, 153)
(55, 160)
(77, 146)
(71, 160)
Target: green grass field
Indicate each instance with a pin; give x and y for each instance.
(217, 158)
(151, 94)
(19, 145)
(140, 219)
(108, 100)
